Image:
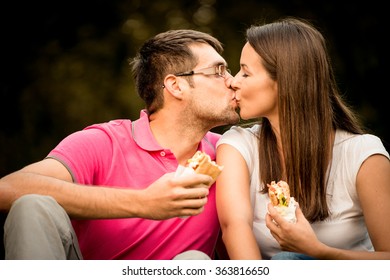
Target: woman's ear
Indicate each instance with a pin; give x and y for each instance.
(174, 86)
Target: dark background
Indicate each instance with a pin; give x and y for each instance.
(64, 64)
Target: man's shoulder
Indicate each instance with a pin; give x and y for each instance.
(111, 125)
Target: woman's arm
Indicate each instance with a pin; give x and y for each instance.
(233, 204)
(373, 188)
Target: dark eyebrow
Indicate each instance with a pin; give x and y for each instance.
(220, 63)
(244, 67)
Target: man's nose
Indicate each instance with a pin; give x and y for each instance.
(231, 82)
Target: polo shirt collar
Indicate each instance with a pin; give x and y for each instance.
(142, 134)
(144, 137)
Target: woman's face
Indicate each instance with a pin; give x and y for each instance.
(256, 92)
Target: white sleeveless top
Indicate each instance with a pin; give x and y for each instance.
(345, 228)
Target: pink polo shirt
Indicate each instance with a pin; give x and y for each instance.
(125, 154)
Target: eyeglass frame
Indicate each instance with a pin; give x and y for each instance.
(217, 71)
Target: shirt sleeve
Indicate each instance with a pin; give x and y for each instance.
(361, 148)
(84, 153)
(244, 140)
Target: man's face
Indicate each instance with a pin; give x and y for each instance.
(211, 99)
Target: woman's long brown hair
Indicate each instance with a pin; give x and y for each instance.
(310, 109)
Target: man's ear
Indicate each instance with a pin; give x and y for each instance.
(174, 85)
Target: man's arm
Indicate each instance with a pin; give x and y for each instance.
(165, 198)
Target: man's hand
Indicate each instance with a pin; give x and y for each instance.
(172, 196)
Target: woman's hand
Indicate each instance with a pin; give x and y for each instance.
(295, 237)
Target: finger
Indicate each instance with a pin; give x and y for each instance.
(194, 207)
(271, 223)
(200, 202)
(194, 203)
(274, 231)
(299, 213)
(195, 193)
(278, 219)
(203, 192)
(191, 212)
(195, 180)
(275, 235)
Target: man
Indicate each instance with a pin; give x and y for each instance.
(116, 180)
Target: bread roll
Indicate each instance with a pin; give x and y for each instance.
(201, 163)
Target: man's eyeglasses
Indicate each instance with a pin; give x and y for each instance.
(219, 70)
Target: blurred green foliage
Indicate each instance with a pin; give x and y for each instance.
(65, 63)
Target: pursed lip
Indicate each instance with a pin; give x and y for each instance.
(235, 101)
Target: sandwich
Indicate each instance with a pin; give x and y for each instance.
(201, 163)
(279, 194)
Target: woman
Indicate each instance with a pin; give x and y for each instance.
(309, 138)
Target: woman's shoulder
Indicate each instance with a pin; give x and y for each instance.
(245, 131)
(240, 133)
(240, 136)
(366, 144)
